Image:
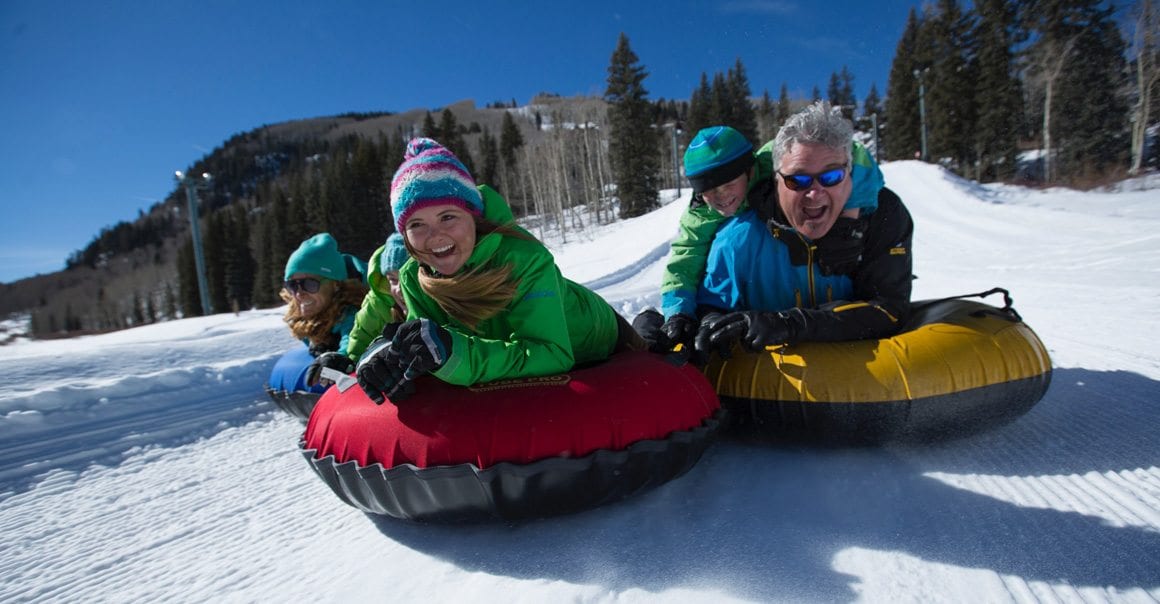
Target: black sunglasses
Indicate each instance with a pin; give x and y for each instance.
(829, 178)
(308, 285)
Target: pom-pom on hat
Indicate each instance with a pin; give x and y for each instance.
(318, 255)
(431, 175)
(394, 254)
(715, 156)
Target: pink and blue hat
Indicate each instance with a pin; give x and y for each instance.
(431, 175)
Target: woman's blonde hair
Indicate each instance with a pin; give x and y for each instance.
(479, 293)
(319, 328)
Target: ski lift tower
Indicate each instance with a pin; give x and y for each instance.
(191, 185)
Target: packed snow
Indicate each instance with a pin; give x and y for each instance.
(149, 465)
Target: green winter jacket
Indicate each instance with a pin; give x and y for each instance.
(550, 325)
(698, 226)
(376, 309)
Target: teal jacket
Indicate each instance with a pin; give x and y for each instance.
(341, 329)
(689, 251)
(550, 325)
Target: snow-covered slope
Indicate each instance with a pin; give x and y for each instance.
(148, 465)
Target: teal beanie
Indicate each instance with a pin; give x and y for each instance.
(318, 255)
(715, 156)
(394, 254)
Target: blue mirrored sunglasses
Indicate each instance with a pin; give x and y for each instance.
(308, 285)
(829, 178)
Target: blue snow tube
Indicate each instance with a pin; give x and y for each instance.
(287, 384)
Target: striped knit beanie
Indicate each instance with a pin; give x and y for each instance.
(715, 156)
(431, 175)
(394, 254)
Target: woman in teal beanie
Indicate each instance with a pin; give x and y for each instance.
(322, 288)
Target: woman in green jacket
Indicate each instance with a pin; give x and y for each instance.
(485, 299)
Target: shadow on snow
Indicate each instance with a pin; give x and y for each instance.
(766, 521)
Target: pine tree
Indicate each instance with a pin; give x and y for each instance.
(998, 94)
(720, 101)
(742, 115)
(834, 90)
(783, 107)
(901, 128)
(700, 107)
(369, 201)
(841, 92)
(872, 104)
(950, 111)
(187, 286)
(766, 117)
(489, 156)
(239, 259)
(429, 129)
(216, 251)
(290, 228)
(169, 303)
(849, 101)
(264, 293)
(632, 140)
(138, 309)
(510, 142)
(453, 139)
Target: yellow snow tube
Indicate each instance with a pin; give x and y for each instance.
(956, 368)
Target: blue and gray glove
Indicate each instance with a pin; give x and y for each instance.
(389, 368)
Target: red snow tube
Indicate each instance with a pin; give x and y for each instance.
(518, 448)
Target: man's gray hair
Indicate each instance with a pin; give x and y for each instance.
(818, 124)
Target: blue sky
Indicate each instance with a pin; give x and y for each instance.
(102, 101)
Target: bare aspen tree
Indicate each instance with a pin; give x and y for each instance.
(1051, 59)
(1146, 51)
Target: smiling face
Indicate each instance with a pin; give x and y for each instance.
(310, 304)
(727, 198)
(812, 211)
(441, 237)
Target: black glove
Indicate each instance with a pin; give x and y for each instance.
(755, 330)
(420, 346)
(376, 372)
(702, 344)
(840, 250)
(389, 330)
(327, 360)
(662, 336)
(647, 325)
(680, 329)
